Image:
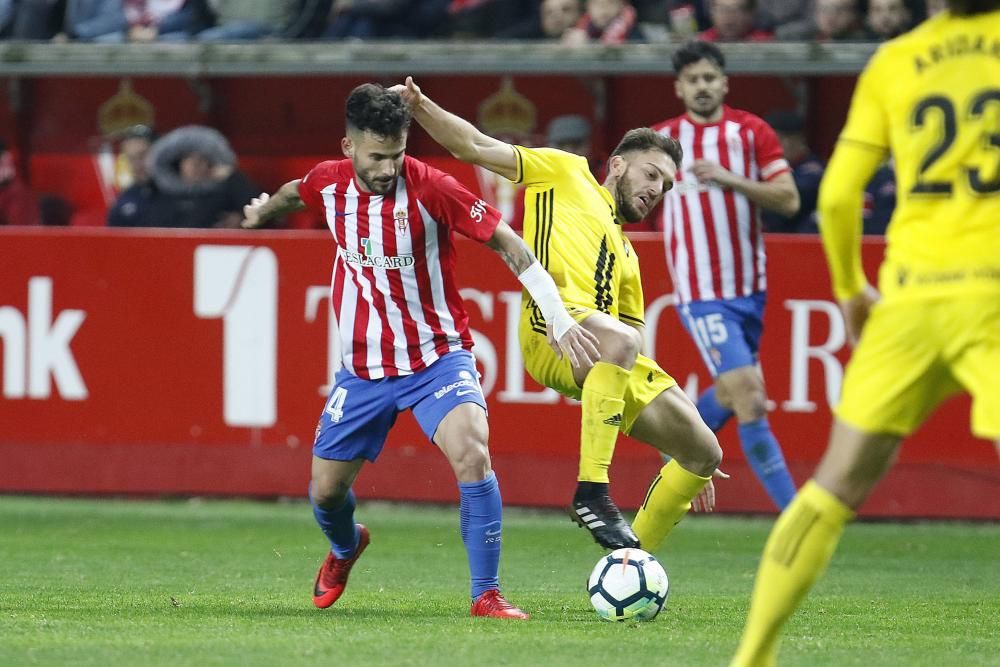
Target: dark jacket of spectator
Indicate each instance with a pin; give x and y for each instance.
(38, 19)
(386, 19)
(86, 20)
(195, 181)
(131, 209)
(807, 171)
(880, 201)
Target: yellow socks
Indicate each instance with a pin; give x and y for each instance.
(800, 547)
(602, 418)
(667, 501)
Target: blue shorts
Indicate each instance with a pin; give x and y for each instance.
(726, 331)
(359, 413)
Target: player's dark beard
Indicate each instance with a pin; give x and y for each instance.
(377, 187)
(705, 105)
(623, 200)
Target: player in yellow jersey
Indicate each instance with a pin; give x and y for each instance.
(574, 225)
(931, 98)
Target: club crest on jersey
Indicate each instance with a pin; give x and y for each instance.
(402, 220)
(369, 258)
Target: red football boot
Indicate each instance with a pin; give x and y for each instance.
(492, 604)
(331, 580)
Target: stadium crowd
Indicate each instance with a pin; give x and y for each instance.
(158, 194)
(571, 21)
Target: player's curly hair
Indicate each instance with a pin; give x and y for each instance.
(695, 50)
(644, 139)
(966, 7)
(372, 108)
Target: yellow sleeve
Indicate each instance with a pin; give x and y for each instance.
(860, 150)
(867, 119)
(841, 199)
(544, 165)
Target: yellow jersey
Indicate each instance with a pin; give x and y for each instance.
(570, 224)
(931, 98)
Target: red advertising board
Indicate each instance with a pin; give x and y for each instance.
(196, 363)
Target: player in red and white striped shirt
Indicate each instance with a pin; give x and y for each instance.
(404, 331)
(734, 166)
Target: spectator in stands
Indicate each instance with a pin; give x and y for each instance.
(807, 170)
(880, 200)
(788, 13)
(7, 15)
(888, 18)
(90, 20)
(381, 19)
(131, 208)
(687, 18)
(152, 20)
(605, 22)
(241, 20)
(196, 182)
(571, 133)
(485, 18)
(18, 203)
(551, 21)
(832, 20)
(733, 21)
(37, 19)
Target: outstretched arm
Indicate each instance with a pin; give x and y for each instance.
(457, 135)
(565, 335)
(263, 208)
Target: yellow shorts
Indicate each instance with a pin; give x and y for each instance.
(914, 354)
(646, 382)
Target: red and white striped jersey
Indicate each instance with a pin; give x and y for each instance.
(713, 239)
(394, 295)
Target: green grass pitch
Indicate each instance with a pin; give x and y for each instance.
(107, 582)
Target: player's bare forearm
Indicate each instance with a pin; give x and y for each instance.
(779, 194)
(512, 249)
(263, 208)
(458, 136)
(285, 200)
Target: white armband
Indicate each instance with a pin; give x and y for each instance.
(543, 290)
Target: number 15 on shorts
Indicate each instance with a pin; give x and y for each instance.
(712, 329)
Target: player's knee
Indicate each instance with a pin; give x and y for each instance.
(328, 492)
(470, 460)
(710, 452)
(706, 455)
(750, 404)
(621, 346)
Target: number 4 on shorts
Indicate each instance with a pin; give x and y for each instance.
(335, 406)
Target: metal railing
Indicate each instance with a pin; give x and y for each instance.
(37, 59)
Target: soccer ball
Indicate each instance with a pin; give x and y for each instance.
(628, 584)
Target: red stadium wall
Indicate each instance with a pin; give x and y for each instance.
(174, 363)
(281, 126)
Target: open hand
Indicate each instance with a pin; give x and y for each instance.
(577, 344)
(705, 500)
(856, 311)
